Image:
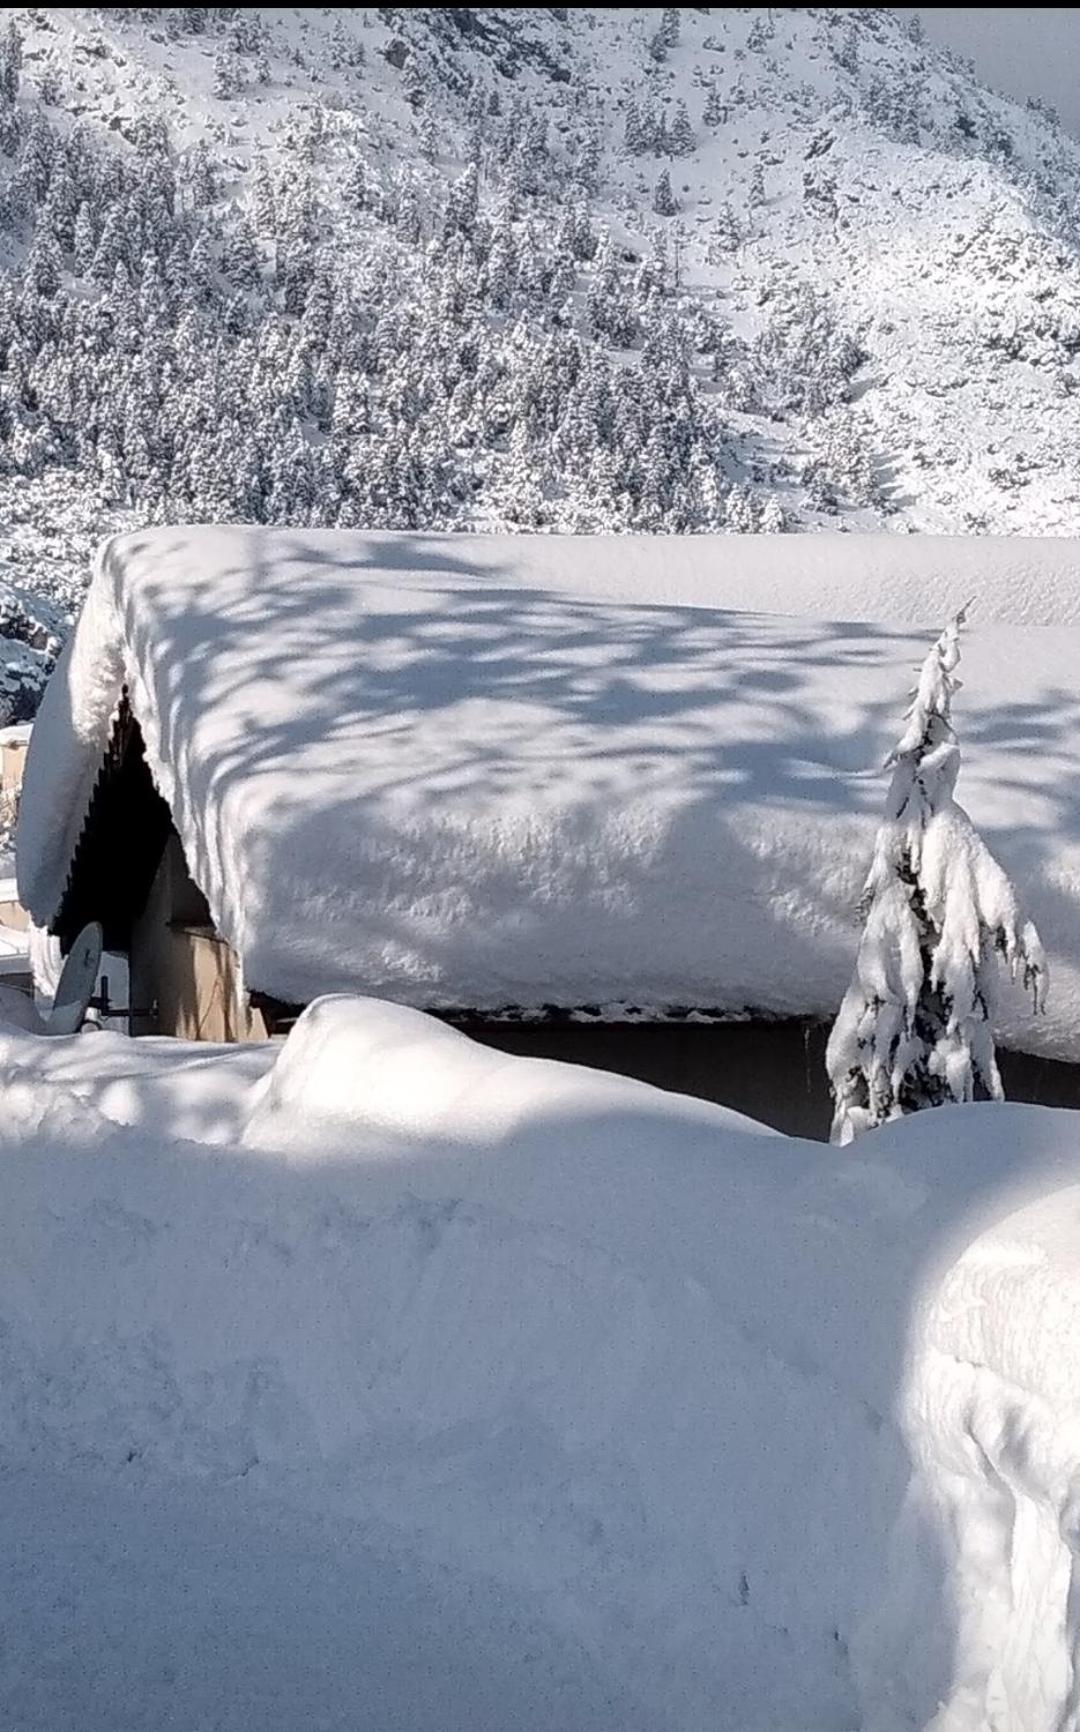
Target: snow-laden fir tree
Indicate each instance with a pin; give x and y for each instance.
(914, 1029)
(715, 111)
(680, 138)
(667, 36)
(635, 137)
(664, 202)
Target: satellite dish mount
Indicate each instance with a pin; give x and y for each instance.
(77, 981)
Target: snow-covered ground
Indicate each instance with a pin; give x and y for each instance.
(522, 771)
(444, 1388)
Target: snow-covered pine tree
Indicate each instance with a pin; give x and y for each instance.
(670, 24)
(914, 1027)
(635, 138)
(664, 202)
(84, 244)
(110, 249)
(681, 141)
(845, 48)
(44, 265)
(588, 159)
(463, 203)
(772, 517)
(653, 130)
(715, 111)
(10, 60)
(201, 175)
(427, 137)
(340, 45)
(227, 80)
(240, 257)
(740, 517)
(726, 233)
(263, 202)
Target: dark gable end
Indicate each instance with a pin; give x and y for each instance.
(123, 836)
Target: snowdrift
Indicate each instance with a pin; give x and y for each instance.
(529, 771)
(775, 1436)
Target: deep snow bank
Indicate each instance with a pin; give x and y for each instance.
(780, 1437)
(512, 770)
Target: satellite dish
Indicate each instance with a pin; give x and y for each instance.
(77, 982)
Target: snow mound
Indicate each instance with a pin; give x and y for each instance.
(749, 1424)
(981, 1576)
(538, 771)
(404, 1077)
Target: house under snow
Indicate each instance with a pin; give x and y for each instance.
(602, 799)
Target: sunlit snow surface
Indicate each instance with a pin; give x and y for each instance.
(384, 1379)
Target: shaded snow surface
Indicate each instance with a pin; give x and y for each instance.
(445, 1388)
(490, 771)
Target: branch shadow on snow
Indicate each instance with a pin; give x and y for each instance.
(713, 714)
(589, 662)
(710, 703)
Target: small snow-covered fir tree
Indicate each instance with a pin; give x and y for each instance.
(670, 26)
(227, 80)
(772, 520)
(664, 202)
(11, 60)
(44, 265)
(914, 1028)
(635, 137)
(681, 141)
(84, 244)
(715, 111)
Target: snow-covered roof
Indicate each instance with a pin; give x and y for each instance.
(493, 771)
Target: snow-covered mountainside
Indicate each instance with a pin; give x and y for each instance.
(545, 268)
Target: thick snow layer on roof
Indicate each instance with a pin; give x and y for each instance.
(488, 771)
(774, 1436)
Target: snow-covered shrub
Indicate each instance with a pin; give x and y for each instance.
(914, 1029)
